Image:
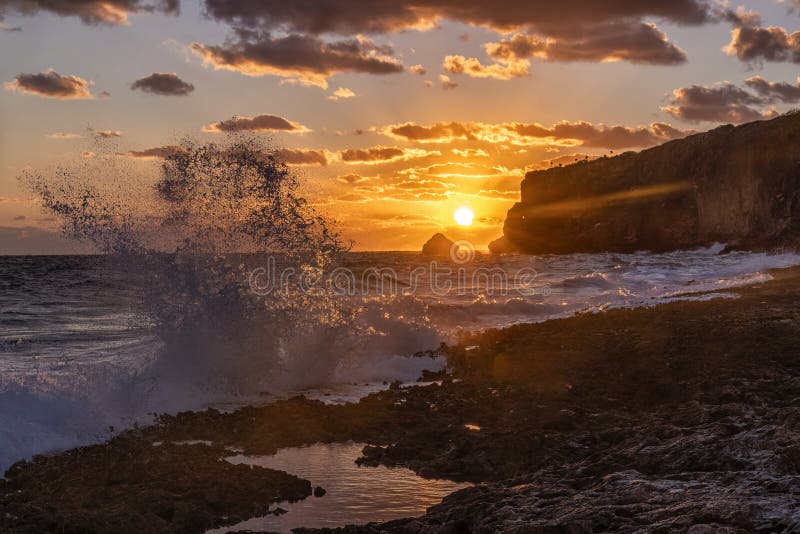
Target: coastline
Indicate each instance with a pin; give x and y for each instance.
(674, 417)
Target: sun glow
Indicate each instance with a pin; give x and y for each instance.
(464, 216)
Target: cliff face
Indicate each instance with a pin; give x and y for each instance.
(736, 185)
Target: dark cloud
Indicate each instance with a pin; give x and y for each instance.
(631, 41)
(259, 123)
(571, 30)
(156, 152)
(722, 102)
(755, 43)
(109, 12)
(302, 156)
(298, 58)
(384, 16)
(165, 84)
(51, 84)
(787, 93)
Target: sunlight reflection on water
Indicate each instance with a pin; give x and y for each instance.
(355, 495)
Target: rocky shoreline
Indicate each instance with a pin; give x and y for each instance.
(682, 417)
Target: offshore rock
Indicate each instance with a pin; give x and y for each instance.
(438, 245)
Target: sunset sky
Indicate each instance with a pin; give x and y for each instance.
(396, 112)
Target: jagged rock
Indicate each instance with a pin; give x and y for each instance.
(438, 245)
(736, 185)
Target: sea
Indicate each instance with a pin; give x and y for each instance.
(82, 358)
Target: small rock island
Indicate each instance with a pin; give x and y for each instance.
(438, 245)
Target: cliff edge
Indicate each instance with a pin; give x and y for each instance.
(736, 185)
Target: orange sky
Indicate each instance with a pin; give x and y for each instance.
(396, 113)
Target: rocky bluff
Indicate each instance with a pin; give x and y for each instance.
(735, 185)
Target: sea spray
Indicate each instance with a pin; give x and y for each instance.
(186, 239)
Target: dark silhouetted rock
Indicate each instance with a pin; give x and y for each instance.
(319, 491)
(438, 245)
(736, 185)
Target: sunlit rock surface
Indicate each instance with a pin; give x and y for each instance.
(736, 185)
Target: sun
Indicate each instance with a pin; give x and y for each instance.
(464, 216)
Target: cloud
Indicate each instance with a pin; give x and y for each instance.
(418, 69)
(575, 30)
(474, 68)
(259, 123)
(382, 154)
(341, 94)
(470, 152)
(156, 152)
(721, 102)
(107, 134)
(750, 42)
(786, 93)
(63, 135)
(632, 41)
(351, 179)
(446, 82)
(302, 156)
(51, 84)
(346, 17)
(494, 194)
(108, 12)
(407, 188)
(164, 84)
(460, 170)
(303, 59)
(525, 134)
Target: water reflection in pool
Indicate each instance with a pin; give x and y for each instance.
(355, 495)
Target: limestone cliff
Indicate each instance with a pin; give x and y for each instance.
(736, 185)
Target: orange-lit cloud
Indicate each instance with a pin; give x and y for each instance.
(106, 134)
(631, 41)
(460, 170)
(108, 12)
(63, 135)
(472, 67)
(525, 134)
(352, 179)
(51, 84)
(382, 154)
(303, 59)
(470, 152)
(259, 123)
(304, 156)
(341, 93)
